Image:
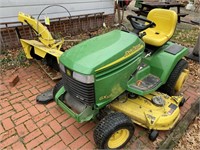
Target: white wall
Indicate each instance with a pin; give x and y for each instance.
(9, 8)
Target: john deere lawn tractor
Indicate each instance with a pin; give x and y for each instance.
(119, 73)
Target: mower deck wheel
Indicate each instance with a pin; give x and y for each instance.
(114, 131)
(153, 135)
(182, 102)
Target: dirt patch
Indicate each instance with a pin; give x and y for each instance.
(13, 59)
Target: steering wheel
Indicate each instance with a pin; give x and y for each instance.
(140, 26)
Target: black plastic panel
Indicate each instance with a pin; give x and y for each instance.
(174, 49)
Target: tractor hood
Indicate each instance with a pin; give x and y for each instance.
(102, 52)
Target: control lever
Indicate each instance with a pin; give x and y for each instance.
(142, 34)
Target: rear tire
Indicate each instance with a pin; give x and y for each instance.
(57, 87)
(114, 131)
(169, 86)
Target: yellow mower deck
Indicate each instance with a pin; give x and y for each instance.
(145, 113)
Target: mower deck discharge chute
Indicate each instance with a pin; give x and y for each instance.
(117, 74)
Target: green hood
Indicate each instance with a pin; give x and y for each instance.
(101, 51)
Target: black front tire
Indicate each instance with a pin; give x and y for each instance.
(114, 125)
(57, 87)
(103, 112)
(169, 86)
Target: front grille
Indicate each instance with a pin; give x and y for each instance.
(83, 92)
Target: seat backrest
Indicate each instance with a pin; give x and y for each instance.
(165, 21)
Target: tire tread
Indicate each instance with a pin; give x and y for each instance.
(108, 125)
(169, 86)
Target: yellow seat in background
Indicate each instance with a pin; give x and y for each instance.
(165, 21)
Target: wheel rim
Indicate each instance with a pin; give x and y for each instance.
(118, 138)
(181, 80)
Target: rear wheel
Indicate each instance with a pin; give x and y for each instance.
(57, 87)
(176, 78)
(114, 131)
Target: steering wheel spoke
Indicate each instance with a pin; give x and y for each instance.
(138, 26)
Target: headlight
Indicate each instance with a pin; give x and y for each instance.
(62, 67)
(83, 78)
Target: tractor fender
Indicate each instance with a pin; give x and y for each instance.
(163, 61)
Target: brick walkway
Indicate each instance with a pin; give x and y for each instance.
(27, 125)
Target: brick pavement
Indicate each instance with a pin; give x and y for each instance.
(28, 125)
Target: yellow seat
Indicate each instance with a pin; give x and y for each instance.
(165, 21)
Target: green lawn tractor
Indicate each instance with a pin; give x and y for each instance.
(118, 74)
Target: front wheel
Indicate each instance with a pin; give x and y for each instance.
(114, 131)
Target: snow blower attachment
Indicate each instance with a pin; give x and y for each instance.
(47, 47)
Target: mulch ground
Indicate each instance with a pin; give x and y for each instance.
(191, 139)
